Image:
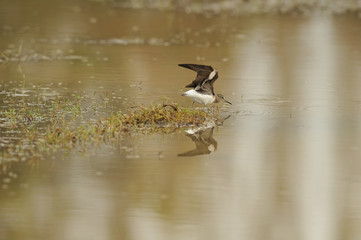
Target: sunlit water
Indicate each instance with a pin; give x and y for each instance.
(285, 165)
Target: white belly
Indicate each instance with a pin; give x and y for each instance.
(199, 98)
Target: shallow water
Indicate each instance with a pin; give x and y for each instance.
(285, 165)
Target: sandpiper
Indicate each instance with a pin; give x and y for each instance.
(203, 92)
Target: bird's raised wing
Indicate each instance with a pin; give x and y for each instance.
(205, 88)
(204, 73)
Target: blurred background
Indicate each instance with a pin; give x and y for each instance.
(284, 165)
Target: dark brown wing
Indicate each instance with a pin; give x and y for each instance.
(205, 88)
(203, 73)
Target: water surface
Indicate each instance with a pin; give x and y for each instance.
(285, 165)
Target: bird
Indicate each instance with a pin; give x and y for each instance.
(203, 91)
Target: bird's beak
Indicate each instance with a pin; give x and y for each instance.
(183, 94)
(227, 101)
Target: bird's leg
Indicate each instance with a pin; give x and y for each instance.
(193, 104)
(206, 107)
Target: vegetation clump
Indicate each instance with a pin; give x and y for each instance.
(164, 115)
(58, 124)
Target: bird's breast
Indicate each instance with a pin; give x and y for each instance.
(200, 98)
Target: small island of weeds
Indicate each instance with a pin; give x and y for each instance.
(34, 130)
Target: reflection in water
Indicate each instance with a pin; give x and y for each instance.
(203, 138)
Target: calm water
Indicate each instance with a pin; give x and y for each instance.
(286, 164)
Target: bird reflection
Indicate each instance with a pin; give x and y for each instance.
(203, 138)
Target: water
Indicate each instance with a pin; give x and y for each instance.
(285, 165)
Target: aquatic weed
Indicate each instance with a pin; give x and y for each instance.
(46, 126)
